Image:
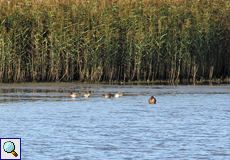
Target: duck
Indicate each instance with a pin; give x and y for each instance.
(87, 94)
(118, 94)
(152, 100)
(107, 95)
(74, 94)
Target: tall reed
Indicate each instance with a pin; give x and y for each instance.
(116, 40)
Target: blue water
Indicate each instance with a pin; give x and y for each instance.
(188, 122)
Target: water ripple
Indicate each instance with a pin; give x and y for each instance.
(184, 124)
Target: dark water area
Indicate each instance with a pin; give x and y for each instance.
(187, 122)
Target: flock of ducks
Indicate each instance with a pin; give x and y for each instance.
(77, 94)
(152, 100)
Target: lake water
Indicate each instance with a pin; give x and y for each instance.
(188, 122)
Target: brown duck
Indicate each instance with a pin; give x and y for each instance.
(152, 100)
(118, 94)
(74, 94)
(107, 95)
(87, 94)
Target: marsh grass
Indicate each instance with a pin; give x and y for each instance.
(118, 40)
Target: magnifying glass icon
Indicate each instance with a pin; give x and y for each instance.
(9, 147)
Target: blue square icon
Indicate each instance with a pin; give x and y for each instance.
(10, 148)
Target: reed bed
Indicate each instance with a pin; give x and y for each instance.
(114, 40)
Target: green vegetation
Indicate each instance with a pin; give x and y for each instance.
(114, 40)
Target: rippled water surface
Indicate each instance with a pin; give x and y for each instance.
(188, 122)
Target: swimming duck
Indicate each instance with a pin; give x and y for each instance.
(152, 100)
(87, 94)
(107, 95)
(118, 94)
(74, 94)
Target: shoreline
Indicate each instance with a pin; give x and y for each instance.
(156, 82)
